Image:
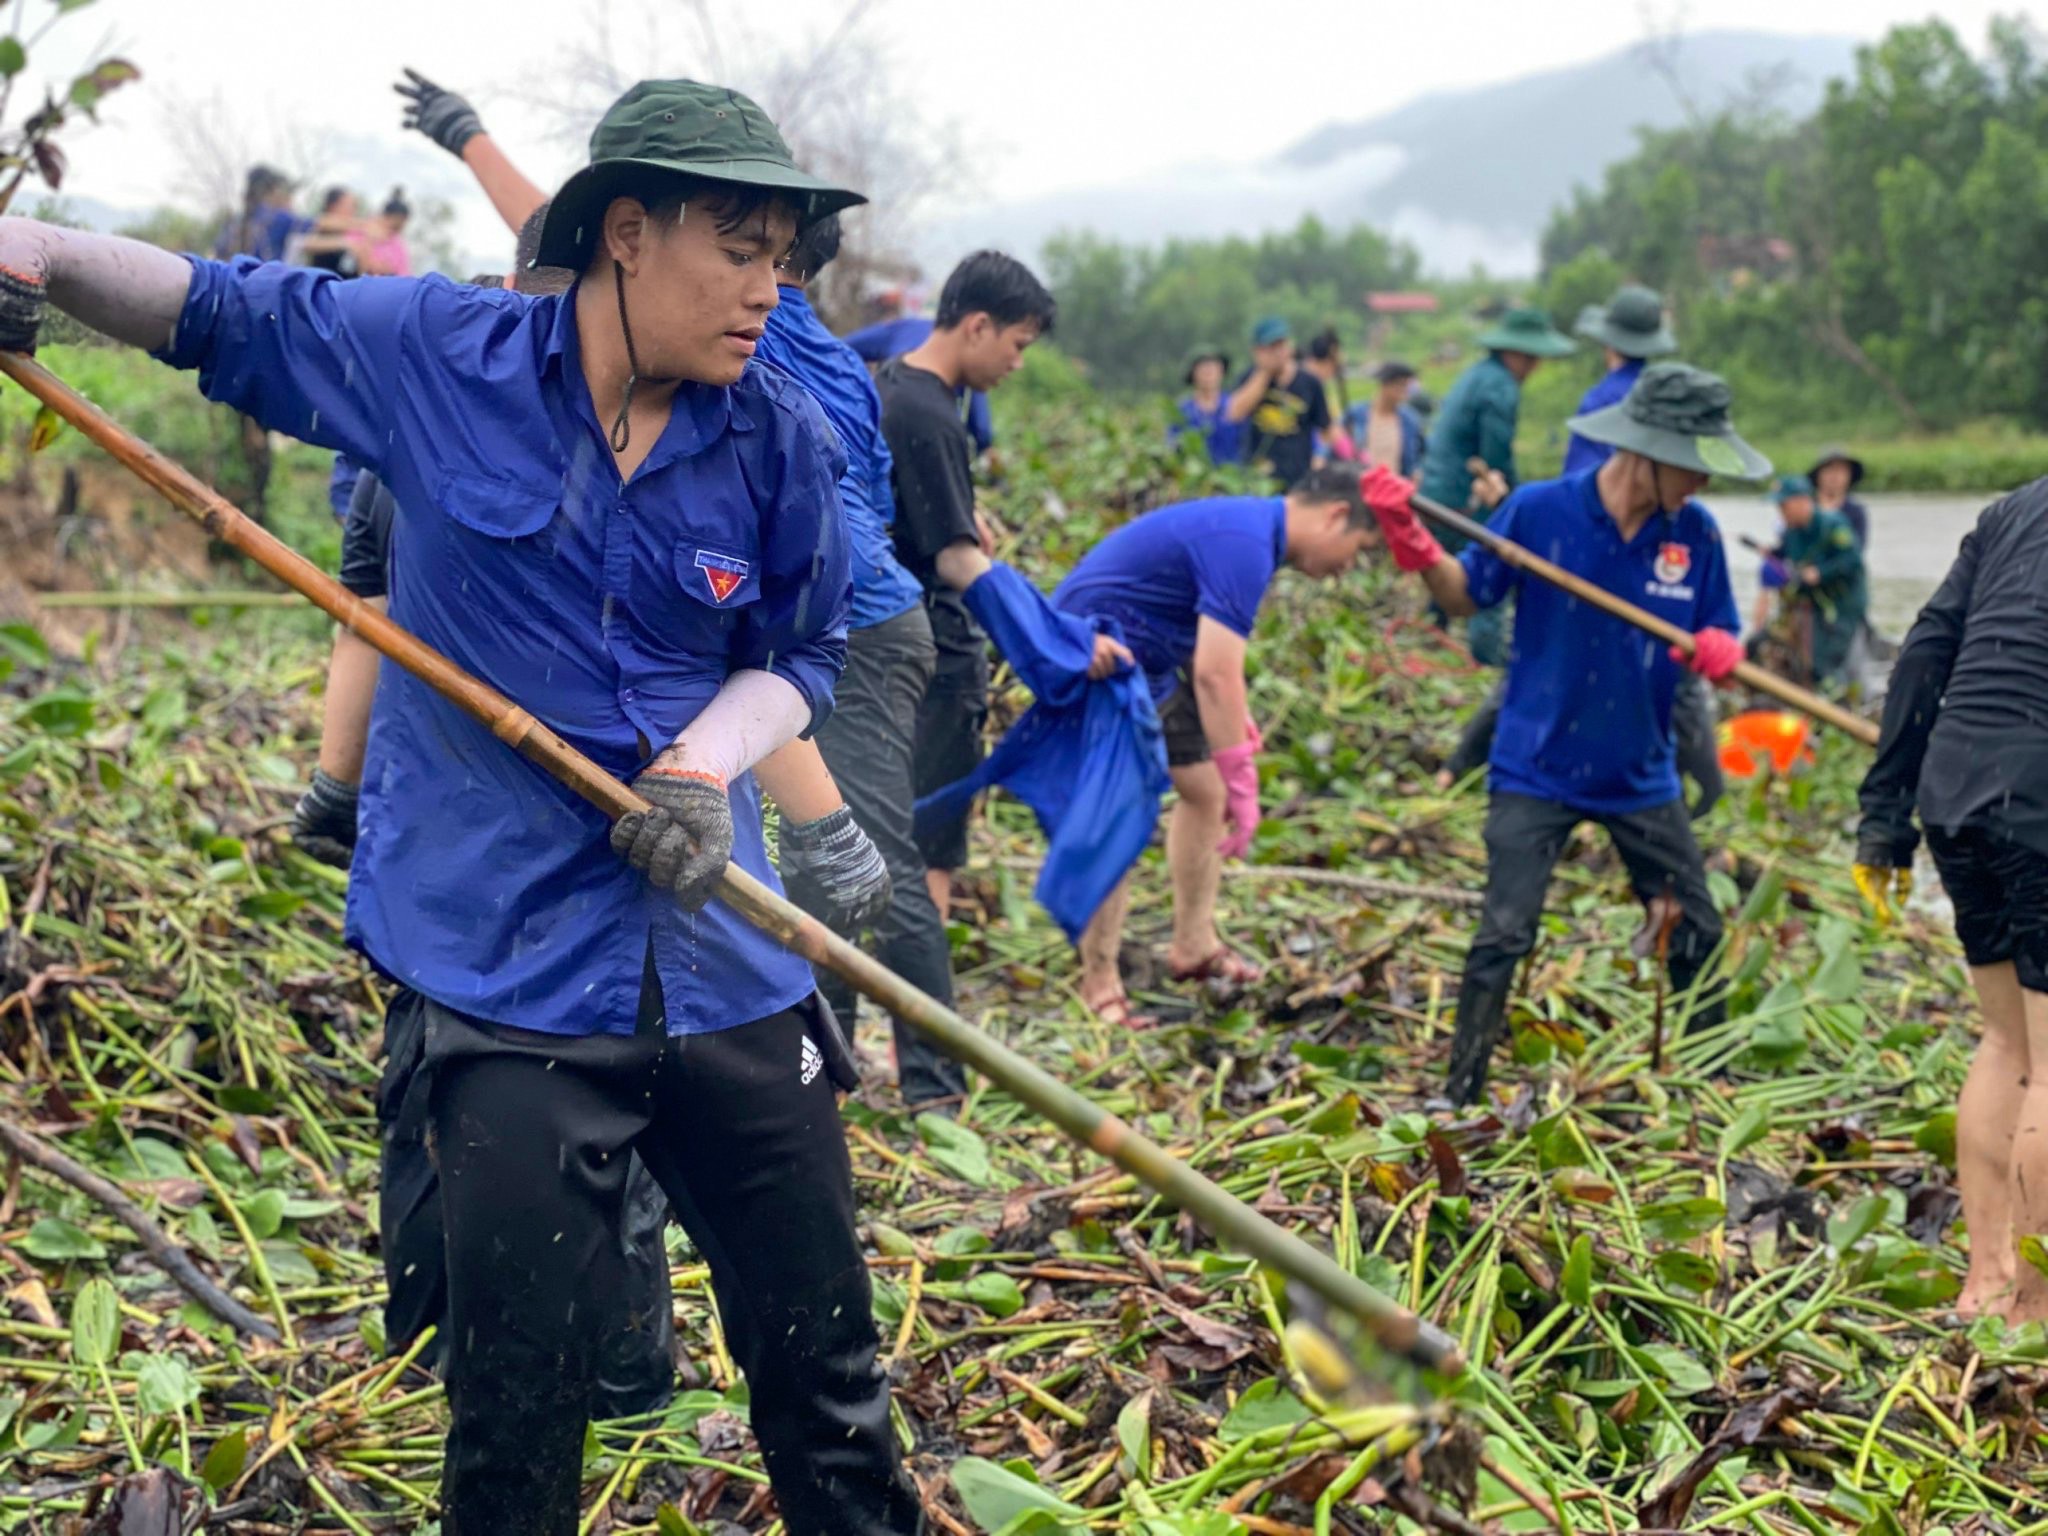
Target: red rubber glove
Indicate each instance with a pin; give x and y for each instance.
(1715, 655)
(1413, 546)
(1239, 766)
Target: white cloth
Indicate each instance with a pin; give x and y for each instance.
(752, 715)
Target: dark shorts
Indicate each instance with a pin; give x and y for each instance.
(2000, 891)
(950, 722)
(366, 539)
(1180, 718)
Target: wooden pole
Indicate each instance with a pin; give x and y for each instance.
(1394, 1328)
(1747, 673)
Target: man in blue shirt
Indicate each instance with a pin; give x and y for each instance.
(885, 339)
(605, 512)
(1630, 331)
(1202, 407)
(1183, 585)
(1585, 729)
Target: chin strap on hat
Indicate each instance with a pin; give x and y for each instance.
(622, 431)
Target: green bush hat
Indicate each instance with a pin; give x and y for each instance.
(1678, 415)
(1271, 329)
(1836, 454)
(1527, 329)
(706, 132)
(1197, 355)
(1632, 322)
(1791, 488)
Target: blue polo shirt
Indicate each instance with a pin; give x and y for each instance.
(1160, 574)
(798, 343)
(1581, 454)
(613, 611)
(1586, 721)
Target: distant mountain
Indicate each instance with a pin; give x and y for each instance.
(1467, 176)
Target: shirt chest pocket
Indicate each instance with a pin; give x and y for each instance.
(720, 578)
(518, 513)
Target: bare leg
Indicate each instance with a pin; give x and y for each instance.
(1102, 941)
(2029, 1192)
(940, 883)
(1192, 833)
(1986, 1114)
(351, 690)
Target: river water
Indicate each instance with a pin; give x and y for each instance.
(1913, 541)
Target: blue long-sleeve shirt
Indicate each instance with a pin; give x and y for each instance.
(612, 611)
(797, 342)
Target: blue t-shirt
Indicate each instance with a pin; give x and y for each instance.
(797, 342)
(1162, 573)
(1587, 717)
(1223, 438)
(1580, 453)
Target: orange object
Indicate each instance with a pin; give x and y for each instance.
(1761, 738)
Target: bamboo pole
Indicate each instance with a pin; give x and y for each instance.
(1747, 673)
(1392, 1327)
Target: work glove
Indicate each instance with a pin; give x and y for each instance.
(23, 297)
(324, 820)
(1390, 497)
(834, 871)
(683, 839)
(1715, 655)
(1239, 766)
(446, 118)
(1884, 890)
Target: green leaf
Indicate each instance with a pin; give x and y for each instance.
(264, 1212)
(670, 1521)
(301, 1208)
(1937, 1137)
(995, 1496)
(1209, 1522)
(271, 906)
(95, 1323)
(1682, 1220)
(1849, 1226)
(1681, 1372)
(1577, 1280)
(1745, 1130)
(1777, 1041)
(165, 1384)
(2034, 1251)
(995, 1294)
(61, 712)
(224, 1461)
(891, 1242)
(955, 1148)
(1684, 1270)
(10, 1405)
(1840, 976)
(24, 642)
(55, 1240)
(289, 1265)
(1134, 1434)
(1265, 1405)
(13, 57)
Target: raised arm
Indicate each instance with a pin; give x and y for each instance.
(451, 122)
(1244, 399)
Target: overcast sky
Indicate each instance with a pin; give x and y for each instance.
(1045, 95)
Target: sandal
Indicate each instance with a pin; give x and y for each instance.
(1116, 1013)
(1223, 965)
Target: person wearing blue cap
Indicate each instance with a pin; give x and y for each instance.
(1281, 403)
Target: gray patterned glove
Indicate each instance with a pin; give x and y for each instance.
(684, 839)
(324, 821)
(23, 298)
(834, 871)
(446, 118)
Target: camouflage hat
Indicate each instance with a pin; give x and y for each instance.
(1678, 415)
(704, 132)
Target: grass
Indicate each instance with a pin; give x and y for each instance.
(1706, 1296)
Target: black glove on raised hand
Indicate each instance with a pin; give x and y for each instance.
(23, 298)
(446, 118)
(682, 842)
(834, 871)
(324, 821)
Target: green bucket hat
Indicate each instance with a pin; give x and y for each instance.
(1833, 454)
(1678, 415)
(1527, 329)
(706, 132)
(1632, 323)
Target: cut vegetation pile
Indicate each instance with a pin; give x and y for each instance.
(1710, 1295)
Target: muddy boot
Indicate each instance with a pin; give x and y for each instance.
(1482, 1019)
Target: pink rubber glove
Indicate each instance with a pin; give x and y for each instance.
(1715, 655)
(1239, 766)
(1413, 546)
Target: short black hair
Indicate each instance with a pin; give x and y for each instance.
(332, 196)
(1001, 287)
(1325, 343)
(528, 278)
(395, 206)
(814, 249)
(1331, 483)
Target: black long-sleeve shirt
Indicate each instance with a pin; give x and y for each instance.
(1966, 717)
